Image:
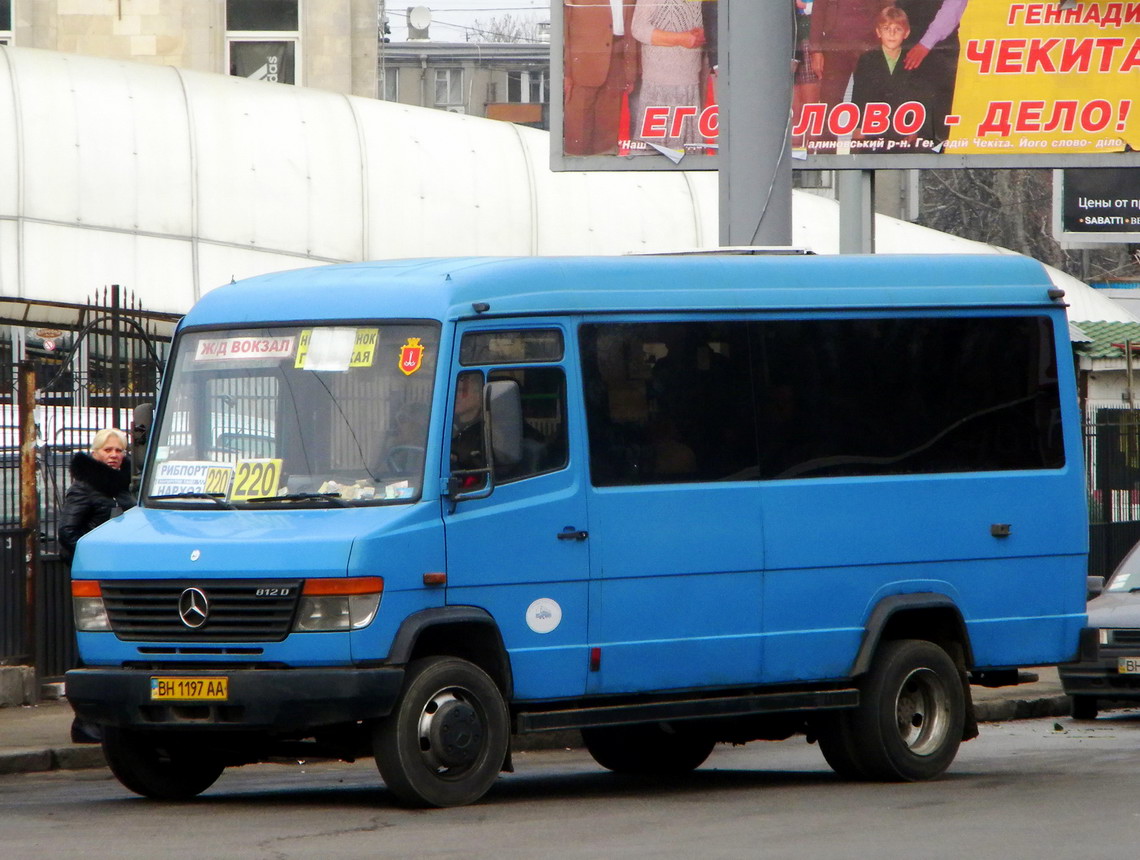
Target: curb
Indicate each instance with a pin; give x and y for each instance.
(74, 757)
(1023, 709)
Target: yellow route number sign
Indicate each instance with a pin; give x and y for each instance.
(255, 479)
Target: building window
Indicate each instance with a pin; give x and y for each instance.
(270, 15)
(390, 84)
(5, 22)
(449, 88)
(527, 87)
(262, 39)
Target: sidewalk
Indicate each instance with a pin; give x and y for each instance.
(38, 737)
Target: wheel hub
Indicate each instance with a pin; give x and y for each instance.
(451, 732)
(922, 712)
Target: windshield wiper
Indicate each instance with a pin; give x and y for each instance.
(217, 498)
(335, 498)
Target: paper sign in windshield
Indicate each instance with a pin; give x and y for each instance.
(192, 476)
(336, 349)
(242, 348)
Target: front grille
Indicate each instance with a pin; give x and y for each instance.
(1124, 636)
(255, 610)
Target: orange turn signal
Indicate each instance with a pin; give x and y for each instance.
(85, 588)
(352, 585)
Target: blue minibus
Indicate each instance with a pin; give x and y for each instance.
(414, 509)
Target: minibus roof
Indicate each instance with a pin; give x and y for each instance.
(463, 287)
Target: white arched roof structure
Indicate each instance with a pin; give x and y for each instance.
(172, 182)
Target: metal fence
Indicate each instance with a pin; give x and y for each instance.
(86, 374)
(1112, 459)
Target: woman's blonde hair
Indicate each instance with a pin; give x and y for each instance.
(106, 433)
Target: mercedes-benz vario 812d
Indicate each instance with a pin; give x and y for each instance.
(410, 509)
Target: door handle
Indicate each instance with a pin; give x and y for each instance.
(570, 534)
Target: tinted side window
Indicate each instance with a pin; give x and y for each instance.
(735, 400)
(906, 396)
(669, 402)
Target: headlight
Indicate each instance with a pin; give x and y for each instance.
(338, 604)
(87, 606)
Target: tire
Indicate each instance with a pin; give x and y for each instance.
(1085, 707)
(909, 722)
(158, 766)
(655, 749)
(447, 738)
(839, 747)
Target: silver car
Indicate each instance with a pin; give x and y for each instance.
(1109, 665)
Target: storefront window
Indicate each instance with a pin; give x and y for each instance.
(263, 37)
(5, 22)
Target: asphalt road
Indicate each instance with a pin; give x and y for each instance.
(1028, 789)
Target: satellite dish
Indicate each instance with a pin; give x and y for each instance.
(419, 17)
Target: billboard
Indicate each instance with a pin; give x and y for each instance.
(1094, 206)
(876, 84)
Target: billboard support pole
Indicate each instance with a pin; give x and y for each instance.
(757, 42)
(856, 192)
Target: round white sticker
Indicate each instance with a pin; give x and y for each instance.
(543, 615)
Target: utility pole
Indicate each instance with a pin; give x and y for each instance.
(756, 43)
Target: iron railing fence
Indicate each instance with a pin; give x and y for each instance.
(88, 374)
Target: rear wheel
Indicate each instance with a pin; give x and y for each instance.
(1085, 707)
(839, 747)
(657, 749)
(447, 738)
(909, 721)
(159, 766)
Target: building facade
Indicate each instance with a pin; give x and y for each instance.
(325, 44)
(498, 80)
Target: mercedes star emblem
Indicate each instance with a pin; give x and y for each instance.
(193, 607)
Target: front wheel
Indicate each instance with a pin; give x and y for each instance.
(159, 766)
(447, 738)
(910, 717)
(655, 749)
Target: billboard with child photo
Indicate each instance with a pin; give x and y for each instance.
(876, 83)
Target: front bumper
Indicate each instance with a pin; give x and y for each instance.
(1097, 673)
(278, 700)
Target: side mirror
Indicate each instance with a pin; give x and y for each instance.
(504, 405)
(141, 420)
(1094, 586)
(502, 437)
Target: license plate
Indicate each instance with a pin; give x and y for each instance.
(1128, 665)
(185, 689)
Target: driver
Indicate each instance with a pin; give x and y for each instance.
(406, 445)
(467, 428)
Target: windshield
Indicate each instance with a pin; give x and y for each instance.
(306, 415)
(1126, 577)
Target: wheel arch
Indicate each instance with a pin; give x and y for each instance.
(467, 632)
(926, 615)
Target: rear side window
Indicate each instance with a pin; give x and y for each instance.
(744, 400)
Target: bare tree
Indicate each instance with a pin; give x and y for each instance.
(1013, 208)
(508, 28)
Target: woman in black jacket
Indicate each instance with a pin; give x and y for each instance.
(100, 483)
